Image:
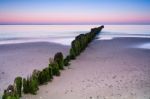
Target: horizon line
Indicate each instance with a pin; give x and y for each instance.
(78, 24)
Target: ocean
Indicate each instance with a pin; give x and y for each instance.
(64, 34)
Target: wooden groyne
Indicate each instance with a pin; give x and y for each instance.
(39, 77)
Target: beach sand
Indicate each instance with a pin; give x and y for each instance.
(22, 59)
(107, 69)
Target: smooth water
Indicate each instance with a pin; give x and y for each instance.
(113, 31)
(64, 34)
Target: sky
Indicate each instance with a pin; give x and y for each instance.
(74, 11)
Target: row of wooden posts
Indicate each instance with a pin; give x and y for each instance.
(39, 77)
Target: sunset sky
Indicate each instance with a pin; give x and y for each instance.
(74, 11)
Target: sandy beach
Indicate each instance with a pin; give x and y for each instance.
(74, 49)
(21, 59)
(107, 69)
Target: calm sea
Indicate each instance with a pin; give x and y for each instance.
(64, 34)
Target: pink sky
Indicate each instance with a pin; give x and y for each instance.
(75, 11)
